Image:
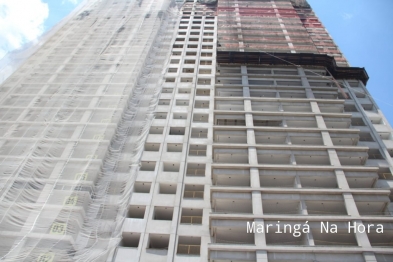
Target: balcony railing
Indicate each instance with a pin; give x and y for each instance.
(188, 249)
(193, 220)
(193, 194)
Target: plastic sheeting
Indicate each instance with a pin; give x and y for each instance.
(12, 61)
(73, 122)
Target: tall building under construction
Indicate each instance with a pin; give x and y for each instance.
(221, 131)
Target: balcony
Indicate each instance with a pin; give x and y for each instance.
(372, 205)
(276, 138)
(274, 157)
(329, 239)
(231, 177)
(191, 216)
(236, 105)
(230, 137)
(286, 238)
(230, 156)
(231, 203)
(326, 207)
(193, 191)
(197, 150)
(229, 92)
(281, 206)
(196, 169)
(231, 233)
(188, 245)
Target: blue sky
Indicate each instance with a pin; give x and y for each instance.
(363, 30)
(58, 9)
(23, 21)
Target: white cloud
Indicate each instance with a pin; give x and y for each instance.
(346, 16)
(21, 21)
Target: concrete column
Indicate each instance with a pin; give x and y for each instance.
(334, 160)
(249, 120)
(341, 180)
(204, 251)
(246, 91)
(288, 140)
(260, 238)
(243, 70)
(250, 136)
(261, 256)
(350, 204)
(310, 239)
(305, 83)
(362, 238)
(320, 122)
(327, 140)
(247, 105)
(257, 203)
(303, 208)
(254, 178)
(292, 160)
(173, 235)
(315, 107)
(244, 78)
(174, 224)
(297, 183)
(171, 247)
(252, 156)
(309, 93)
(369, 257)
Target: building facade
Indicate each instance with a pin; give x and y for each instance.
(196, 131)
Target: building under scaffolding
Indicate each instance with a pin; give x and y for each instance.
(280, 26)
(157, 130)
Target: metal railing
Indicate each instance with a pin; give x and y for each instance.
(197, 153)
(195, 172)
(199, 135)
(193, 194)
(188, 249)
(191, 220)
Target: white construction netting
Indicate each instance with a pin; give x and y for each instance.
(73, 121)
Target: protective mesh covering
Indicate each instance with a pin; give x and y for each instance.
(74, 119)
(12, 60)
